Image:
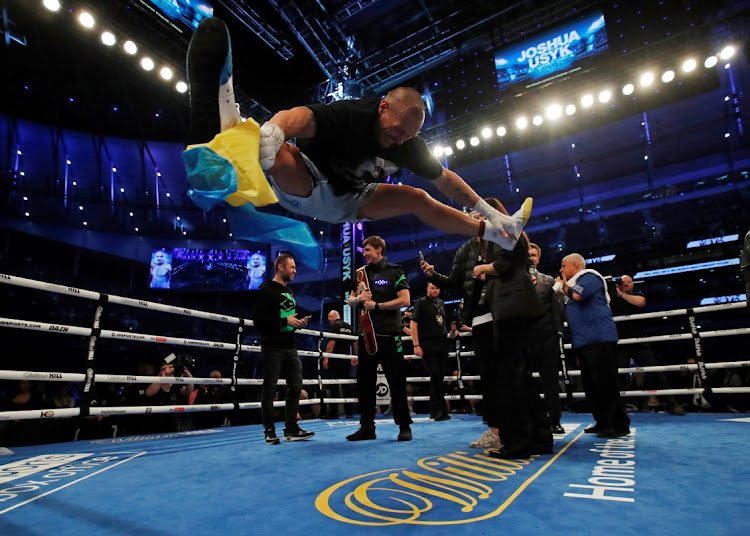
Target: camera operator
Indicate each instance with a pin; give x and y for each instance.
(628, 301)
(170, 394)
(745, 267)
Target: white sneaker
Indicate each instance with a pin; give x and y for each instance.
(487, 440)
(229, 110)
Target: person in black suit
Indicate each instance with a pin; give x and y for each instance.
(523, 423)
(745, 264)
(545, 343)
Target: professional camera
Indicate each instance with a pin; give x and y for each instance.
(182, 362)
(612, 284)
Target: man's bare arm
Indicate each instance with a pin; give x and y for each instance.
(296, 122)
(452, 185)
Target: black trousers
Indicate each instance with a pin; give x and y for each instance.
(521, 415)
(599, 374)
(339, 369)
(545, 354)
(435, 357)
(391, 356)
(278, 361)
(484, 348)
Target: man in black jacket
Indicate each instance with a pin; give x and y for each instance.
(380, 294)
(545, 341)
(745, 266)
(428, 333)
(276, 319)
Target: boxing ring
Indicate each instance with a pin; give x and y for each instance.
(226, 480)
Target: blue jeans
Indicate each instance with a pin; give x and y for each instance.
(276, 361)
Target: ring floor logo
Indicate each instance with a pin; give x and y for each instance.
(446, 490)
(25, 481)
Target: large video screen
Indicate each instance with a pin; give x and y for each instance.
(207, 269)
(538, 59)
(188, 13)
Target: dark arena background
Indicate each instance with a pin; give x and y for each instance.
(626, 121)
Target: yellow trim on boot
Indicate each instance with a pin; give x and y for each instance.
(528, 203)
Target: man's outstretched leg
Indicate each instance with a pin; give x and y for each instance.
(209, 70)
(390, 201)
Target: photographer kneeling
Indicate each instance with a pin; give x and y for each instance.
(170, 394)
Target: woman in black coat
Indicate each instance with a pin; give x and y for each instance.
(523, 424)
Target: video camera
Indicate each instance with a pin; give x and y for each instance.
(612, 284)
(181, 362)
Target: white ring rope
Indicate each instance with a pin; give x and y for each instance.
(218, 345)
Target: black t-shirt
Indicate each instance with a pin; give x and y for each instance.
(630, 328)
(346, 150)
(340, 327)
(429, 315)
(385, 281)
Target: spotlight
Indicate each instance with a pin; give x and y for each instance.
(438, 151)
(68, 162)
(486, 132)
(52, 5)
(122, 190)
(605, 96)
(667, 77)
(538, 120)
(554, 111)
(460, 144)
(711, 61)
(86, 19)
(474, 141)
(727, 53)
(130, 47)
(522, 122)
(689, 65)
(628, 89)
(166, 73)
(501, 131)
(587, 101)
(647, 79)
(570, 109)
(448, 151)
(108, 39)
(147, 63)
(181, 87)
